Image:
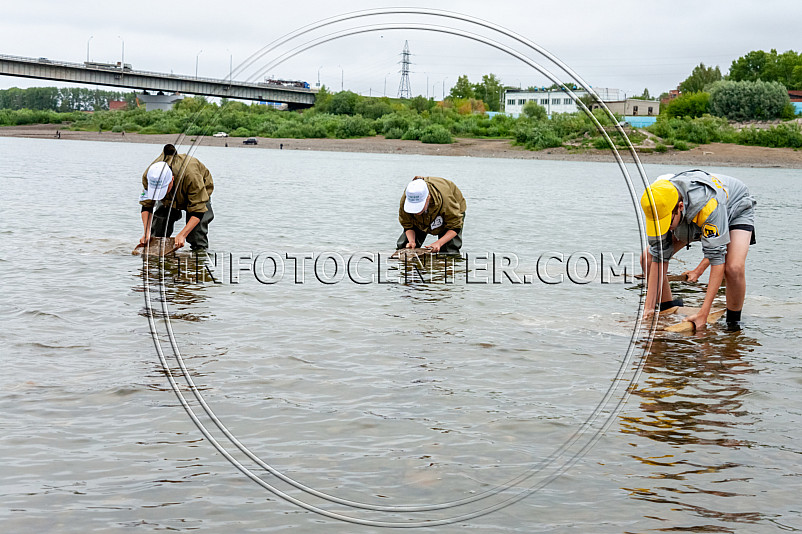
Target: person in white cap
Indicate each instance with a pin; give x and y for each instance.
(717, 210)
(432, 205)
(174, 183)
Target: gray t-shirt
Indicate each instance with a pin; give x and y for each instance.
(713, 203)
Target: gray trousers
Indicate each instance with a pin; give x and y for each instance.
(164, 219)
(452, 247)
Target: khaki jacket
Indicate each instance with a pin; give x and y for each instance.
(446, 209)
(192, 184)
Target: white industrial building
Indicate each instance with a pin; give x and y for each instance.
(553, 100)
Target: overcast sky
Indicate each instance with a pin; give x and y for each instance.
(629, 45)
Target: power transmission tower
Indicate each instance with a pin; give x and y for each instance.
(404, 90)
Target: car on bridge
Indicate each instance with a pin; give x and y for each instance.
(250, 141)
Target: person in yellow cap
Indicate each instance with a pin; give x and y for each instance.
(717, 210)
(432, 205)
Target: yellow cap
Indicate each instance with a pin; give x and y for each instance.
(665, 197)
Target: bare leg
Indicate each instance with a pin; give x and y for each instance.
(665, 290)
(646, 262)
(735, 268)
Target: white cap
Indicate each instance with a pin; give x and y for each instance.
(417, 193)
(159, 177)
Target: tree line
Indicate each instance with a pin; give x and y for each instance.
(63, 99)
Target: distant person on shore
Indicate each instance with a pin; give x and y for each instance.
(174, 183)
(717, 210)
(432, 205)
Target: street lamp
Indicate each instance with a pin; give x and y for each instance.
(444, 87)
(196, 61)
(122, 63)
(318, 75)
(385, 83)
(87, 47)
(342, 77)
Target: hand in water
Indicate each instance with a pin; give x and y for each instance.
(691, 276)
(699, 320)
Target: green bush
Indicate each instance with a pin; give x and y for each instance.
(537, 136)
(535, 111)
(436, 134)
(689, 105)
(27, 116)
(314, 130)
(394, 133)
(788, 112)
(681, 145)
(241, 132)
(467, 125)
(782, 135)
(413, 134)
(699, 130)
(660, 147)
(421, 103)
(289, 130)
(399, 121)
(373, 108)
(600, 143)
(743, 101)
(354, 126)
(344, 103)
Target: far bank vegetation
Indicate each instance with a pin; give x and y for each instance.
(711, 108)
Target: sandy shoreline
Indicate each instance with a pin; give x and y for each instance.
(714, 154)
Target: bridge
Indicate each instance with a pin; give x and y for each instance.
(119, 75)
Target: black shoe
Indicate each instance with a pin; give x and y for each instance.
(670, 304)
(734, 326)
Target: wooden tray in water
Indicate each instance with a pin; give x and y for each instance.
(687, 311)
(410, 253)
(157, 246)
(671, 277)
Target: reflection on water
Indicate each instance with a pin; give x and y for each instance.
(164, 279)
(691, 401)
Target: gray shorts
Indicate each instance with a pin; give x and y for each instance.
(743, 216)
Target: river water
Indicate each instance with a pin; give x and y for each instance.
(337, 400)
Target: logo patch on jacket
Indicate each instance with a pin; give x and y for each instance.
(710, 230)
(437, 222)
(143, 195)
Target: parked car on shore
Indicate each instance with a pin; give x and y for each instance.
(220, 134)
(250, 141)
